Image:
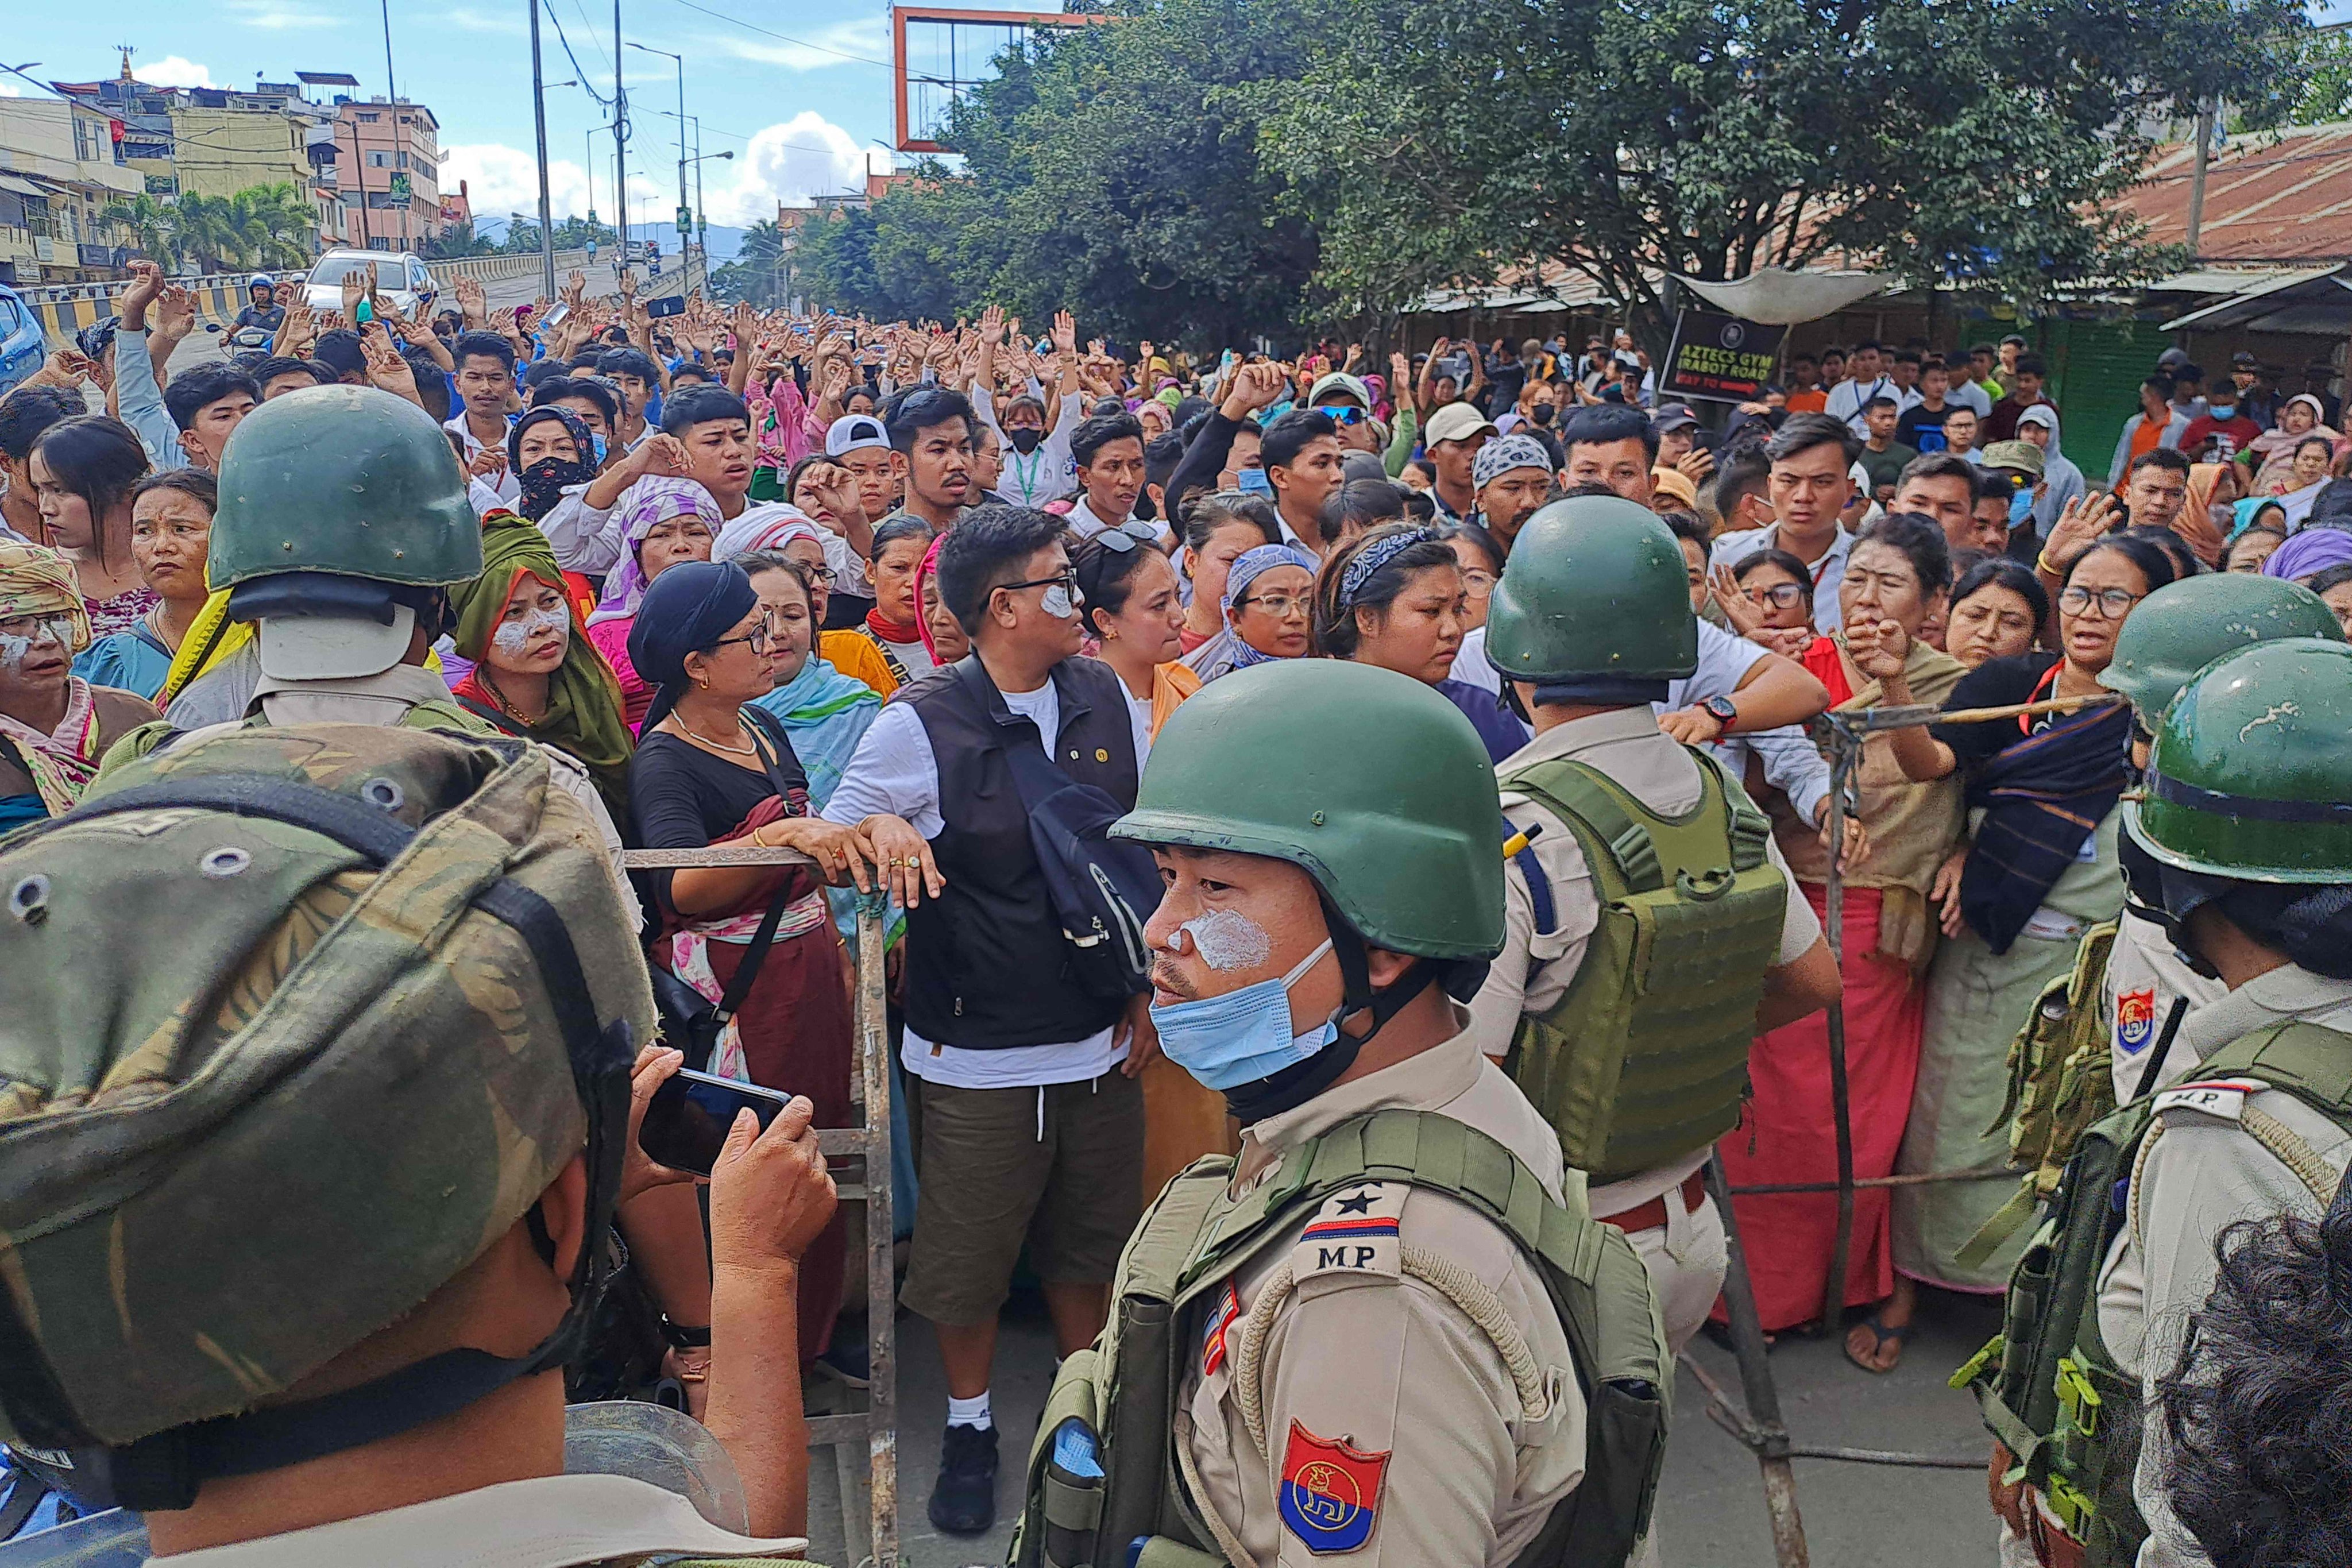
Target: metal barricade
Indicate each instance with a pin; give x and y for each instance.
(872, 1489)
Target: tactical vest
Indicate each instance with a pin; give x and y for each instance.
(431, 714)
(1106, 1474)
(1646, 1056)
(2059, 1084)
(2049, 1387)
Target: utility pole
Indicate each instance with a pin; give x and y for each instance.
(620, 139)
(359, 172)
(539, 120)
(399, 140)
(2197, 176)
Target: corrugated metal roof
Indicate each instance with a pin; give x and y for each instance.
(2274, 196)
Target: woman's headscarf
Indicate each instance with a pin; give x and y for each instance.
(1247, 568)
(543, 482)
(644, 507)
(826, 714)
(38, 581)
(922, 616)
(2312, 550)
(688, 609)
(583, 698)
(770, 525)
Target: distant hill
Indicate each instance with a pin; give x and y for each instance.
(724, 241)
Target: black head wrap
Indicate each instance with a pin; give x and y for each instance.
(686, 610)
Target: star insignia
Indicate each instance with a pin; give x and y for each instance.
(1359, 1203)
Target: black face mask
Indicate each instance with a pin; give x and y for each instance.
(543, 484)
(1544, 413)
(1024, 439)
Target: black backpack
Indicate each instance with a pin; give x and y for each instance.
(1102, 889)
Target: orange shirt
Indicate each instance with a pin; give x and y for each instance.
(1813, 401)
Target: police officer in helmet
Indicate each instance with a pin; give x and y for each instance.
(1382, 1334)
(2243, 815)
(304, 1203)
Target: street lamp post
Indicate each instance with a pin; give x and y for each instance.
(685, 234)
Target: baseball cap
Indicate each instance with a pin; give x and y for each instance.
(1340, 381)
(854, 432)
(1456, 422)
(2022, 455)
(1674, 417)
(2244, 360)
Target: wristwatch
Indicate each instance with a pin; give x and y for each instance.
(1723, 710)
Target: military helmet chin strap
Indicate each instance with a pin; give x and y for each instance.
(1295, 1085)
(164, 1470)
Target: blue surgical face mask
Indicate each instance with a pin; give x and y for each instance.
(1253, 482)
(2021, 507)
(598, 442)
(2218, 409)
(1243, 1036)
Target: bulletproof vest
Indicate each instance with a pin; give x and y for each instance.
(1105, 1474)
(431, 715)
(1646, 1056)
(2059, 1084)
(2048, 1385)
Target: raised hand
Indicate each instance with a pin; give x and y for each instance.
(1066, 334)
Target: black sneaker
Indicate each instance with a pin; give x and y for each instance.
(963, 1499)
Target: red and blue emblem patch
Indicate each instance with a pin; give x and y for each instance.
(1331, 1491)
(2135, 1019)
(1213, 1343)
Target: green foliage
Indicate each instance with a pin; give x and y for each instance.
(271, 226)
(1970, 140)
(1112, 171)
(572, 234)
(2328, 65)
(759, 272)
(459, 239)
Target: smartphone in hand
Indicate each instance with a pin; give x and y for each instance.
(687, 1122)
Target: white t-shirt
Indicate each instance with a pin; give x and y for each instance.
(896, 771)
(1139, 717)
(507, 487)
(1046, 474)
(1968, 394)
(1847, 397)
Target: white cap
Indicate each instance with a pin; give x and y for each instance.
(333, 647)
(853, 432)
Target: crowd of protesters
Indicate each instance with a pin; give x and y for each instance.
(787, 580)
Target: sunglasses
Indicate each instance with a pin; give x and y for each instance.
(1342, 414)
(1128, 535)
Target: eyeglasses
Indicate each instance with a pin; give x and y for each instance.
(760, 641)
(1281, 606)
(58, 627)
(2113, 604)
(1066, 579)
(819, 574)
(1479, 580)
(1343, 414)
(1128, 535)
(1781, 596)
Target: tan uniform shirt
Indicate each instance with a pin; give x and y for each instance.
(2205, 1172)
(557, 1521)
(1412, 1441)
(1535, 969)
(2146, 974)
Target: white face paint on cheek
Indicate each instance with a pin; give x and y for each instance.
(513, 637)
(1056, 601)
(12, 650)
(1229, 940)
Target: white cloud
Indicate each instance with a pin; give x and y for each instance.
(501, 180)
(278, 15)
(173, 71)
(804, 156)
(865, 36)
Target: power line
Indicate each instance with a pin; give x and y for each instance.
(783, 37)
(579, 71)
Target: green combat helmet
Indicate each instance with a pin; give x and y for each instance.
(1595, 600)
(1277, 761)
(2250, 776)
(342, 516)
(389, 994)
(2185, 626)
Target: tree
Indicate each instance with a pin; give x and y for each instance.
(1976, 140)
(150, 223)
(758, 271)
(459, 239)
(269, 226)
(1111, 170)
(276, 223)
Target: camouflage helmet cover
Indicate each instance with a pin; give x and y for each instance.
(295, 1094)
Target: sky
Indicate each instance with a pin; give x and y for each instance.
(798, 91)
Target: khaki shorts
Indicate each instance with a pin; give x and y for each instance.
(989, 1182)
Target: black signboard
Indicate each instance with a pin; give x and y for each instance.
(1726, 358)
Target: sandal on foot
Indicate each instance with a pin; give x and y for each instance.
(1880, 1335)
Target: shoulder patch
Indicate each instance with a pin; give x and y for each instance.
(1331, 1491)
(2222, 1096)
(1355, 1232)
(2135, 1019)
(1213, 1340)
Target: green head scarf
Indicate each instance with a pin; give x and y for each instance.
(583, 698)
